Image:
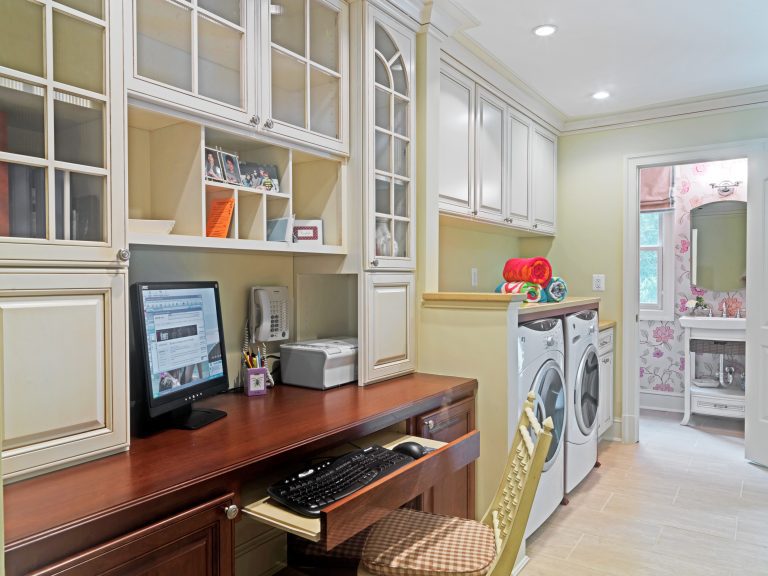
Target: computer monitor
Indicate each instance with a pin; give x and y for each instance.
(179, 349)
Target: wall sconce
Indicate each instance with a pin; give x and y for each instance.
(726, 187)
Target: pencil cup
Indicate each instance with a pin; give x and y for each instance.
(254, 381)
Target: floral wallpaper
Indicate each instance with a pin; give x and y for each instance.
(662, 358)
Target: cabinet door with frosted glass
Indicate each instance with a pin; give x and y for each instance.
(193, 54)
(306, 81)
(390, 172)
(62, 195)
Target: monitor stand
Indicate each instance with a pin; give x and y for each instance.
(188, 418)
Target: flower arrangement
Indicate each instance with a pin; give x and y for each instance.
(697, 304)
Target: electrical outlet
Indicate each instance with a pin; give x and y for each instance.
(474, 277)
(598, 282)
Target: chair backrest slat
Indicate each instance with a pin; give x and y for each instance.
(511, 506)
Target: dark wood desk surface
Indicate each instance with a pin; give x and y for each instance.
(77, 506)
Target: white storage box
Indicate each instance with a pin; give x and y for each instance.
(319, 364)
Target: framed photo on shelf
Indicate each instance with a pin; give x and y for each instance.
(212, 163)
(260, 176)
(231, 168)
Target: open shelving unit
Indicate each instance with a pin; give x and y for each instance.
(167, 182)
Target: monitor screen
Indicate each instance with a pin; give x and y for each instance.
(182, 341)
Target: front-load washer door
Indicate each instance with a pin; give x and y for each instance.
(587, 391)
(549, 387)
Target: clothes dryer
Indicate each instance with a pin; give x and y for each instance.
(583, 390)
(541, 360)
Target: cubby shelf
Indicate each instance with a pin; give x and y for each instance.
(167, 181)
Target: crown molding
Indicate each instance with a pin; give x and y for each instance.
(486, 67)
(689, 108)
(447, 16)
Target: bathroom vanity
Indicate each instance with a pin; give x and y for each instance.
(713, 335)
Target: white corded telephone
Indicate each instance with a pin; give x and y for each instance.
(268, 313)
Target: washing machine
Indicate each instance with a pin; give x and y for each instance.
(540, 359)
(583, 390)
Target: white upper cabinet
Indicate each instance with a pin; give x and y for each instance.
(544, 161)
(456, 142)
(490, 155)
(306, 93)
(390, 102)
(62, 197)
(518, 184)
(496, 164)
(278, 68)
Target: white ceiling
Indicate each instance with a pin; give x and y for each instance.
(645, 52)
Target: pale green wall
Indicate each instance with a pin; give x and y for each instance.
(590, 200)
(466, 246)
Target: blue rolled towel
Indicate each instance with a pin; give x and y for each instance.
(556, 290)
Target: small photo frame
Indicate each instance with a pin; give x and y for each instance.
(255, 381)
(231, 168)
(212, 165)
(260, 176)
(308, 231)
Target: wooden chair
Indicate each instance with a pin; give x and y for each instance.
(412, 543)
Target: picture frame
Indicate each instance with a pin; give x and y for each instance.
(212, 166)
(255, 381)
(260, 176)
(230, 167)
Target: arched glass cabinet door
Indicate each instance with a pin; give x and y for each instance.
(391, 225)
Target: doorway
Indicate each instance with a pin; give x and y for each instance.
(756, 154)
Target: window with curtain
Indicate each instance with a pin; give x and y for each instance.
(656, 266)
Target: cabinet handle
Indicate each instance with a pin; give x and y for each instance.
(256, 120)
(605, 360)
(269, 124)
(474, 212)
(431, 424)
(123, 254)
(375, 262)
(231, 511)
(535, 225)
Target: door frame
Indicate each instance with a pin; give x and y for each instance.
(630, 398)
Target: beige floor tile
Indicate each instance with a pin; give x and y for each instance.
(555, 540)
(548, 566)
(710, 550)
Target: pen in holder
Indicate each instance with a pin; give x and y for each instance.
(254, 380)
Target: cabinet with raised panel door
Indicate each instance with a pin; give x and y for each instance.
(278, 68)
(605, 357)
(496, 164)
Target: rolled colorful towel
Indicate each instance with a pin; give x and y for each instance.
(556, 290)
(535, 270)
(532, 291)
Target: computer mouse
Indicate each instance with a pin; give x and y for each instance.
(412, 449)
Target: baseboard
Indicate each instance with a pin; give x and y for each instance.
(661, 402)
(519, 566)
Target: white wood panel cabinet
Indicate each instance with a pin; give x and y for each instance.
(496, 164)
(605, 357)
(278, 68)
(62, 174)
(390, 331)
(489, 163)
(390, 103)
(544, 162)
(456, 142)
(63, 358)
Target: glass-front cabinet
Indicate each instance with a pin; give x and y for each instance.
(61, 136)
(274, 67)
(390, 97)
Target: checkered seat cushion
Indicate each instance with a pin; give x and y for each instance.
(411, 543)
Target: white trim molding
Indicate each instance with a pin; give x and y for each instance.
(661, 401)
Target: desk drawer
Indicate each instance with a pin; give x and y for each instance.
(718, 406)
(605, 341)
(345, 518)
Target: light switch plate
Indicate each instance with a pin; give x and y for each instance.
(598, 282)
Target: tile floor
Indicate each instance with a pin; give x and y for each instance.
(681, 502)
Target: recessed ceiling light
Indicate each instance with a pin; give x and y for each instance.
(545, 30)
(601, 95)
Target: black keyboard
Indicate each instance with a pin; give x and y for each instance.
(310, 490)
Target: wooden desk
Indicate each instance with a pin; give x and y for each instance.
(53, 517)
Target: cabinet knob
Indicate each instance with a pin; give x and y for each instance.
(256, 120)
(375, 262)
(535, 225)
(231, 511)
(268, 124)
(474, 212)
(431, 424)
(123, 254)
(606, 360)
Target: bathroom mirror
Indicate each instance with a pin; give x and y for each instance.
(719, 246)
